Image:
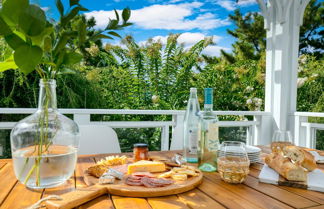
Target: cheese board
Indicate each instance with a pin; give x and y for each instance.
(120, 176)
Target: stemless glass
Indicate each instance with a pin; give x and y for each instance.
(233, 162)
(280, 139)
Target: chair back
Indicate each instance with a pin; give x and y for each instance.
(98, 139)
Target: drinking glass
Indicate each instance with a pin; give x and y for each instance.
(233, 162)
(280, 139)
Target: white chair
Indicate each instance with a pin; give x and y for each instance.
(98, 139)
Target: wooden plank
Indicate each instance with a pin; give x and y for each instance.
(2, 164)
(99, 203)
(196, 199)
(167, 202)
(248, 193)
(317, 207)
(224, 196)
(130, 203)
(8, 180)
(21, 197)
(280, 194)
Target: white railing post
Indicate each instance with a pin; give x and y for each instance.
(165, 138)
(177, 132)
(264, 130)
(300, 136)
(1, 150)
(81, 119)
(283, 19)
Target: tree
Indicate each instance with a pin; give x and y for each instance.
(312, 30)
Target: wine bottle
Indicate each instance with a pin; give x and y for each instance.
(191, 128)
(208, 135)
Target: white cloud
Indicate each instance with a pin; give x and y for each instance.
(215, 50)
(168, 17)
(189, 39)
(232, 4)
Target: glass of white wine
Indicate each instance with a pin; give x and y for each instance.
(233, 162)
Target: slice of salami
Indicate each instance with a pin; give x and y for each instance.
(133, 182)
(143, 174)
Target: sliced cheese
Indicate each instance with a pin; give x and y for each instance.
(146, 166)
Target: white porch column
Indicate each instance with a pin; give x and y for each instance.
(283, 19)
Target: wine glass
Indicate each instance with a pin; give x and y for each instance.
(233, 162)
(280, 139)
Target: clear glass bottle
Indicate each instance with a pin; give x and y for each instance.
(44, 145)
(190, 134)
(208, 135)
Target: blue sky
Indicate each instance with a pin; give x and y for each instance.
(158, 18)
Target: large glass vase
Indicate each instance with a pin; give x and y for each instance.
(44, 145)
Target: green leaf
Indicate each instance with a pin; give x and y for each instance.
(126, 14)
(47, 44)
(5, 29)
(66, 71)
(63, 40)
(11, 10)
(71, 58)
(28, 57)
(112, 25)
(32, 21)
(127, 24)
(39, 39)
(8, 64)
(114, 34)
(81, 8)
(14, 41)
(117, 15)
(74, 2)
(100, 36)
(59, 7)
(65, 19)
(82, 31)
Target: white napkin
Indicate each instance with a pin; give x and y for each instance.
(268, 175)
(315, 180)
(319, 158)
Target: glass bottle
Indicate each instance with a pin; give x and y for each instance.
(44, 145)
(191, 128)
(208, 135)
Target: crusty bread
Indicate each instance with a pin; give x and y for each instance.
(277, 147)
(301, 157)
(285, 167)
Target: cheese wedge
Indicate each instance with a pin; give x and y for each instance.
(146, 166)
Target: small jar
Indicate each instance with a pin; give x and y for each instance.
(140, 152)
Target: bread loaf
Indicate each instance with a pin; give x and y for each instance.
(285, 167)
(301, 157)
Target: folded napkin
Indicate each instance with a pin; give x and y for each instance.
(319, 158)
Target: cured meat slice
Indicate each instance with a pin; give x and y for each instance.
(133, 182)
(147, 181)
(143, 174)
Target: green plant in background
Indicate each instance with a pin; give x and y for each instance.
(45, 47)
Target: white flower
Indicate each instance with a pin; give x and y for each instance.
(249, 101)
(249, 89)
(93, 50)
(303, 59)
(155, 98)
(301, 82)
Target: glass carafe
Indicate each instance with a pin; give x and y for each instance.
(44, 145)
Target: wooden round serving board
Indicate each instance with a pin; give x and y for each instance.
(121, 189)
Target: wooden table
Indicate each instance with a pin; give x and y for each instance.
(213, 193)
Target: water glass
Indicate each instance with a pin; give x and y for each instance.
(233, 162)
(280, 139)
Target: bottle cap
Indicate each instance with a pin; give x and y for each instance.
(208, 96)
(193, 90)
(140, 145)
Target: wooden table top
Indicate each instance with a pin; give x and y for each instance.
(213, 193)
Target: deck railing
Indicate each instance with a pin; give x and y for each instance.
(259, 130)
